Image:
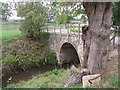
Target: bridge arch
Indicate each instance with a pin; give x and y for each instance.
(68, 53)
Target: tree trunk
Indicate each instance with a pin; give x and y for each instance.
(98, 33)
(76, 76)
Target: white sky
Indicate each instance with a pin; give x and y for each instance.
(9, 0)
(14, 12)
(23, 0)
(62, 0)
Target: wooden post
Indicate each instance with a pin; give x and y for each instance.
(74, 28)
(68, 33)
(60, 32)
(47, 28)
(79, 34)
(54, 30)
(113, 41)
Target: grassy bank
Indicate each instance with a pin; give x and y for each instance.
(24, 54)
(52, 79)
(18, 52)
(57, 79)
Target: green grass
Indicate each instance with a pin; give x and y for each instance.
(9, 32)
(6, 34)
(112, 81)
(9, 36)
(52, 80)
(10, 26)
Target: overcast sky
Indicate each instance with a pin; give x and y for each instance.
(24, 0)
(14, 12)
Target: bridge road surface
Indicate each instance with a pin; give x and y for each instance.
(117, 40)
(67, 31)
(64, 31)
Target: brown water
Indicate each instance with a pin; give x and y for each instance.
(29, 74)
(24, 75)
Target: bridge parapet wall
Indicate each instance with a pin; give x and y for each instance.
(56, 41)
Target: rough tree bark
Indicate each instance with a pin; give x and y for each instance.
(76, 76)
(95, 40)
(97, 36)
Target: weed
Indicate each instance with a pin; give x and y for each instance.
(50, 57)
(111, 82)
(54, 72)
(76, 86)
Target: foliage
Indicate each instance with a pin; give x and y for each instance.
(64, 17)
(21, 59)
(116, 13)
(24, 8)
(61, 11)
(112, 81)
(23, 55)
(50, 57)
(5, 11)
(54, 72)
(33, 24)
(66, 11)
(83, 19)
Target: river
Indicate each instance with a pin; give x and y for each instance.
(24, 75)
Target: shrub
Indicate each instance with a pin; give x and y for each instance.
(64, 17)
(33, 24)
(50, 57)
(21, 55)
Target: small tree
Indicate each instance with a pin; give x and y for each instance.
(33, 24)
(62, 12)
(5, 11)
(63, 18)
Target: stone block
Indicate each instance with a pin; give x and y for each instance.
(95, 82)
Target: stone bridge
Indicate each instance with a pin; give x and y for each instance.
(68, 47)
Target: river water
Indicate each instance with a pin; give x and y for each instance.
(30, 73)
(24, 75)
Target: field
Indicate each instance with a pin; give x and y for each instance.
(9, 32)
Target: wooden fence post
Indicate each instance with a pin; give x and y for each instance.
(60, 32)
(54, 30)
(79, 34)
(47, 28)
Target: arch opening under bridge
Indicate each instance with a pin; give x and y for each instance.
(68, 54)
